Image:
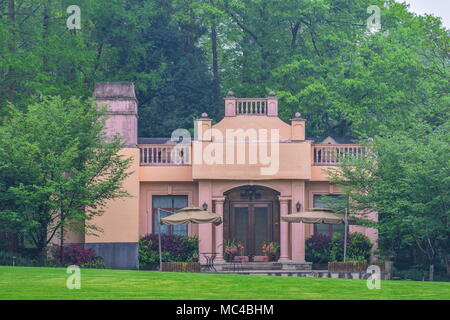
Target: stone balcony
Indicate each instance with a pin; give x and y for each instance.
(171, 155)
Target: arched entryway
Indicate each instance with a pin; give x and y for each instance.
(252, 217)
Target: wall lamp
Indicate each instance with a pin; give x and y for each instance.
(205, 206)
(298, 206)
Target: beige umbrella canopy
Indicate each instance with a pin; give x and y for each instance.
(192, 215)
(318, 215)
(322, 215)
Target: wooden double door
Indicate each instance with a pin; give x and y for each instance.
(252, 223)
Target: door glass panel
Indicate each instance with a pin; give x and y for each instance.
(241, 226)
(261, 228)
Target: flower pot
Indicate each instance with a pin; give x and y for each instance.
(261, 259)
(241, 258)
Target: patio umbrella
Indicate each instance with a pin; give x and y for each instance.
(192, 215)
(318, 215)
(325, 216)
(184, 216)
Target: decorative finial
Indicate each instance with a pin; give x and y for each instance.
(230, 94)
(298, 117)
(272, 94)
(204, 115)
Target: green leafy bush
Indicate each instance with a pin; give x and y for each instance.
(358, 247)
(415, 273)
(317, 249)
(175, 248)
(96, 263)
(9, 258)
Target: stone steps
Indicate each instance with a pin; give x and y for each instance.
(263, 266)
(309, 273)
(252, 266)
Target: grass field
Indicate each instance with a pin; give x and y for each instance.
(50, 283)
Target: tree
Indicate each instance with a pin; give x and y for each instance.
(154, 43)
(40, 55)
(58, 169)
(405, 179)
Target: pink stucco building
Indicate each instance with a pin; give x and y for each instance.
(251, 168)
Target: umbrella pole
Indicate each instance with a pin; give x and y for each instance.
(345, 233)
(159, 239)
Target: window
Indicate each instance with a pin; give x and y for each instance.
(321, 202)
(172, 204)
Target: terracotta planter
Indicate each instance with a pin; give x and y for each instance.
(241, 258)
(261, 259)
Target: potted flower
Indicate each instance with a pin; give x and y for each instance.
(270, 250)
(230, 251)
(241, 256)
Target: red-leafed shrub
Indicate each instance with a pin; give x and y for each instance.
(77, 255)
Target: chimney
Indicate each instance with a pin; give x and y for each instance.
(122, 109)
(298, 128)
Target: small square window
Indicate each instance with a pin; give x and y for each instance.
(168, 204)
(327, 229)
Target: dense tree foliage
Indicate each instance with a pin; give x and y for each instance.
(405, 178)
(318, 56)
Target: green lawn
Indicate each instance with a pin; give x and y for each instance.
(50, 283)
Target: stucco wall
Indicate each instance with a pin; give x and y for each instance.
(120, 221)
(165, 173)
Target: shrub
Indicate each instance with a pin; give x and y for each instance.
(77, 255)
(7, 258)
(414, 273)
(175, 248)
(358, 247)
(96, 263)
(317, 248)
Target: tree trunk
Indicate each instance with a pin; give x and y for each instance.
(294, 33)
(215, 68)
(42, 249)
(45, 35)
(12, 239)
(11, 47)
(246, 72)
(61, 249)
(431, 277)
(447, 264)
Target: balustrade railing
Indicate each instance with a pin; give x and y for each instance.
(325, 155)
(164, 155)
(251, 106)
(322, 155)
